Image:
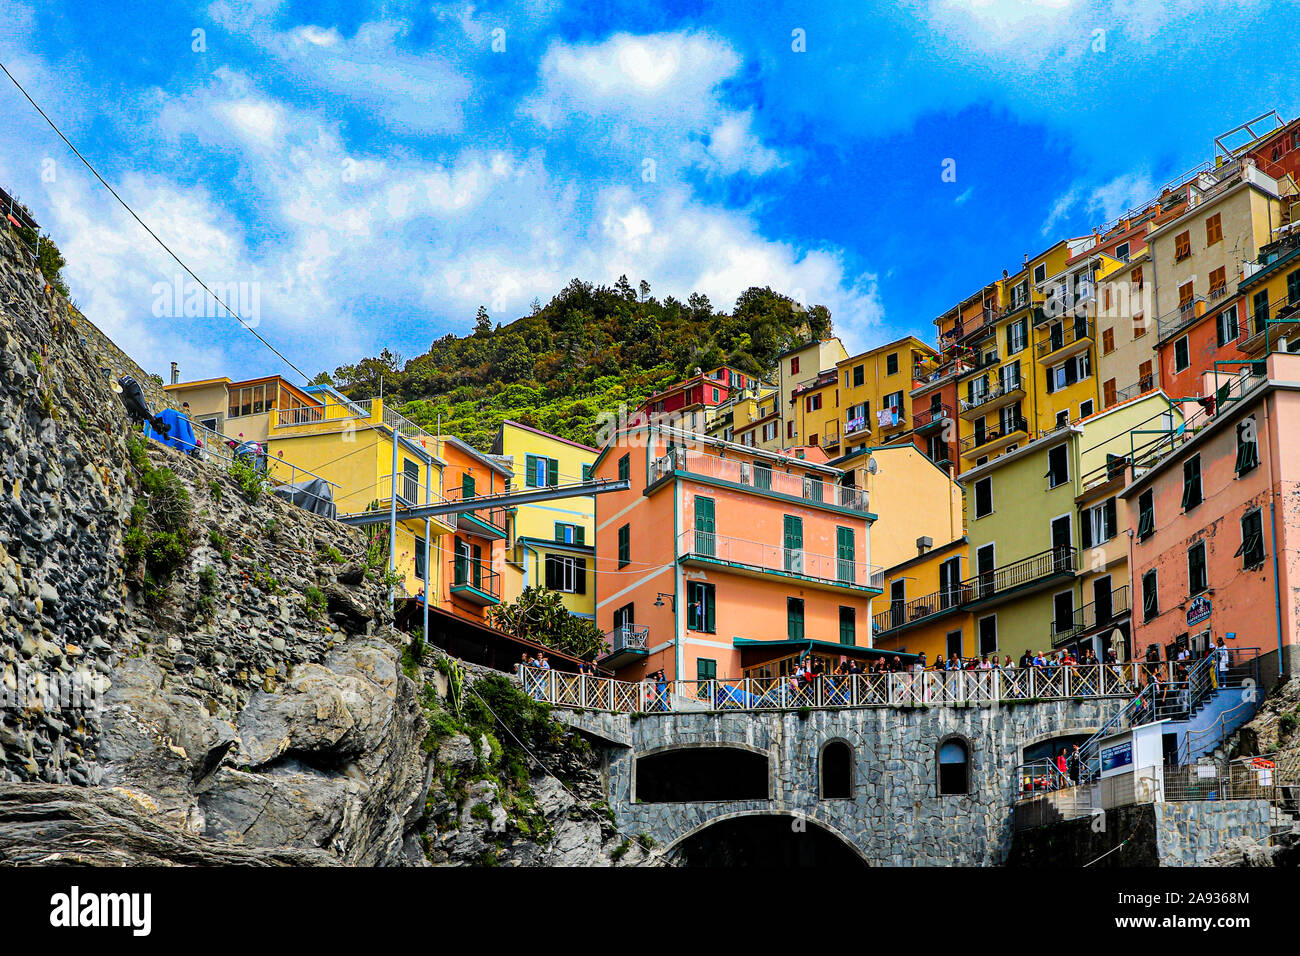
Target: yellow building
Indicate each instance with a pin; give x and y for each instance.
(924, 612)
(1270, 289)
(756, 420)
(549, 541)
(877, 390)
(796, 367)
(816, 411)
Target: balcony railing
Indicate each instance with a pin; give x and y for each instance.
(933, 415)
(1065, 335)
(979, 398)
(761, 477)
(918, 609)
(466, 573)
(1088, 617)
(1180, 317)
(1141, 386)
(860, 425)
(1037, 567)
(1012, 427)
(777, 559)
(630, 637)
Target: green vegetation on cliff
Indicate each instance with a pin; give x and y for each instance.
(590, 350)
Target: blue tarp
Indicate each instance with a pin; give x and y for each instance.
(180, 434)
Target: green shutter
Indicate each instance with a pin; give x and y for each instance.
(704, 526)
(580, 534)
(552, 472)
(530, 473)
(580, 576)
(624, 468)
(846, 554)
(848, 625)
(624, 545)
(793, 540)
(467, 486)
(710, 624)
(794, 619)
(586, 472)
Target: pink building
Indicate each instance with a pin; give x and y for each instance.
(1215, 524)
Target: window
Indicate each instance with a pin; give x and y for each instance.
(700, 607)
(1145, 377)
(859, 374)
(1040, 273)
(1213, 229)
(1063, 418)
(1017, 336)
(984, 497)
(1058, 466)
(1191, 482)
(848, 625)
(1109, 394)
(1085, 408)
(794, 618)
(792, 539)
(706, 668)
(566, 574)
(789, 429)
(570, 533)
(891, 363)
(1107, 341)
(835, 773)
(411, 482)
(541, 472)
(845, 554)
(988, 634)
(1182, 246)
(1251, 551)
(1260, 310)
(1226, 325)
(1100, 523)
(1247, 446)
(1146, 514)
(586, 471)
(794, 365)
(1182, 355)
(1293, 287)
(1009, 376)
(812, 403)
(954, 767)
(1063, 612)
(419, 558)
(1197, 580)
(1121, 251)
(1218, 282)
(1150, 598)
(624, 545)
(1186, 297)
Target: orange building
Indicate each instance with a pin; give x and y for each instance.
(724, 560)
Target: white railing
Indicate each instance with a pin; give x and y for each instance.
(777, 559)
(762, 477)
(986, 688)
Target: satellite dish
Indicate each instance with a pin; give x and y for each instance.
(872, 467)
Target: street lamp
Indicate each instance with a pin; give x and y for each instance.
(672, 598)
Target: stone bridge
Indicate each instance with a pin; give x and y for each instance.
(845, 785)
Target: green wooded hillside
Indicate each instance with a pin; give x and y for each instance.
(589, 350)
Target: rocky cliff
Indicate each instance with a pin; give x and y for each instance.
(197, 672)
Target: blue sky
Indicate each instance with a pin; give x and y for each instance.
(376, 171)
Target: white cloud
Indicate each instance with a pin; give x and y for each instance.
(1105, 202)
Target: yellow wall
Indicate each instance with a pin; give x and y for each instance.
(877, 383)
(920, 578)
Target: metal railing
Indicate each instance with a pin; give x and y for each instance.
(778, 559)
(466, 572)
(1071, 332)
(212, 444)
(1179, 317)
(977, 398)
(630, 637)
(1086, 618)
(1013, 427)
(925, 689)
(986, 584)
(918, 609)
(930, 415)
(756, 474)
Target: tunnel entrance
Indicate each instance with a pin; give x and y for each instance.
(767, 841)
(701, 773)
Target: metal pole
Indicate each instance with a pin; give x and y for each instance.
(392, 512)
(428, 535)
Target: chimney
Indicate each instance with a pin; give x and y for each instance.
(176, 374)
(924, 544)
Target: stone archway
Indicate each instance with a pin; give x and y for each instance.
(766, 838)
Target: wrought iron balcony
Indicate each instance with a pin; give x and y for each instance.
(1090, 618)
(901, 613)
(931, 416)
(757, 558)
(1064, 337)
(1014, 428)
(1035, 569)
(475, 581)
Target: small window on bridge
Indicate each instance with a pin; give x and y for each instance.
(837, 771)
(954, 766)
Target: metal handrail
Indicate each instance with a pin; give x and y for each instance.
(1075, 330)
(629, 637)
(777, 558)
(1017, 424)
(993, 392)
(1080, 620)
(466, 572)
(1044, 564)
(919, 609)
(761, 477)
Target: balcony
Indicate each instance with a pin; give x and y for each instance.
(928, 419)
(475, 581)
(994, 438)
(831, 436)
(1065, 340)
(1087, 618)
(1282, 322)
(857, 427)
(1175, 320)
(626, 644)
(991, 399)
(984, 360)
(903, 613)
(892, 422)
(483, 522)
(761, 476)
(1028, 574)
(756, 559)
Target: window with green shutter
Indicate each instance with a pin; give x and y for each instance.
(530, 471)
(625, 467)
(793, 541)
(848, 625)
(845, 554)
(1197, 577)
(1146, 515)
(705, 537)
(586, 472)
(762, 476)
(1251, 551)
(552, 472)
(1150, 597)
(1247, 446)
(624, 545)
(467, 486)
(1191, 482)
(700, 609)
(794, 618)
(706, 669)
